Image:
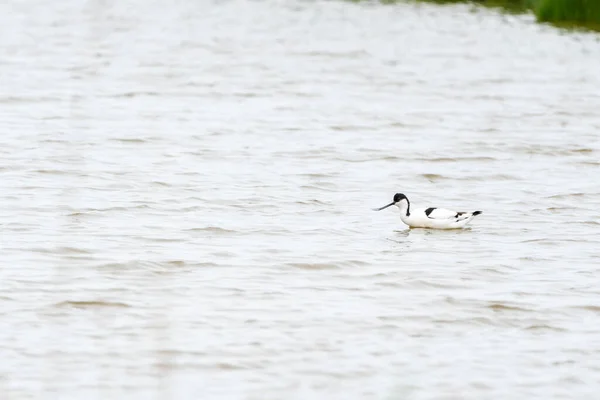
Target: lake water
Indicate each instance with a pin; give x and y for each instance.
(186, 192)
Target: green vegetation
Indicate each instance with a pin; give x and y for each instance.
(584, 14)
(569, 13)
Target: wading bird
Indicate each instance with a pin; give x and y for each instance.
(433, 217)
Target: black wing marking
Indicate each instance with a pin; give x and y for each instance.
(429, 210)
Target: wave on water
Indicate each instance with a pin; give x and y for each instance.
(91, 304)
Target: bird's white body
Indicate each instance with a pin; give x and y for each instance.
(436, 218)
(439, 218)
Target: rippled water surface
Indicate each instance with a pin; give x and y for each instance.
(186, 192)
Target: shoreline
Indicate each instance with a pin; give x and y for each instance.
(582, 15)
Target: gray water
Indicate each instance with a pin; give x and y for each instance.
(186, 192)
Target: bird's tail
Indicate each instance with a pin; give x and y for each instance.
(477, 213)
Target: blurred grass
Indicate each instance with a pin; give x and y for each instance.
(570, 14)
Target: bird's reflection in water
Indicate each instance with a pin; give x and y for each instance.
(404, 233)
(401, 237)
(408, 236)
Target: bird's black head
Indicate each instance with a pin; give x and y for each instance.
(398, 197)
